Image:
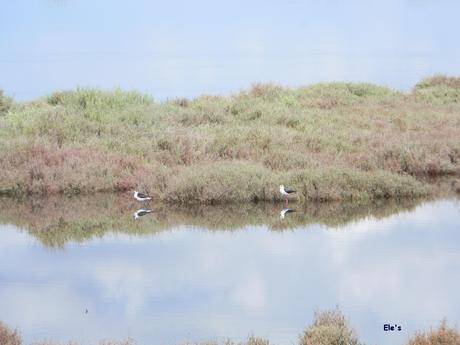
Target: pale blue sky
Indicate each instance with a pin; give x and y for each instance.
(183, 48)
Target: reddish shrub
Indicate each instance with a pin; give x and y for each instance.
(444, 335)
(9, 337)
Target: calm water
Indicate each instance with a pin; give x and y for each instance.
(214, 273)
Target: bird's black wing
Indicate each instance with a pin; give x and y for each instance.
(142, 195)
(289, 190)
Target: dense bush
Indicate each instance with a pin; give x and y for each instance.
(443, 335)
(5, 103)
(9, 337)
(439, 89)
(329, 328)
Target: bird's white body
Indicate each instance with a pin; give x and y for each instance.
(286, 191)
(282, 190)
(141, 197)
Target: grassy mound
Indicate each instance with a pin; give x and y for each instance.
(331, 141)
(439, 89)
(5, 103)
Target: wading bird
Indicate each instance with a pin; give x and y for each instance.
(286, 192)
(141, 196)
(141, 212)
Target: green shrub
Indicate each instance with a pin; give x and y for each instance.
(439, 80)
(5, 103)
(439, 89)
(331, 141)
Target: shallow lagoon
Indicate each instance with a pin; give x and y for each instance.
(215, 273)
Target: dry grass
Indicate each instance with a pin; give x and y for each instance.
(102, 342)
(443, 335)
(329, 328)
(8, 336)
(5, 103)
(333, 141)
(251, 340)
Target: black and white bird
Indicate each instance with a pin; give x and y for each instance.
(286, 192)
(141, 212)
(141, 196)
(285, 211)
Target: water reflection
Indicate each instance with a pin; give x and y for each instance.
(285, 211)
(56, 221)
(383, 263)
(142, 212)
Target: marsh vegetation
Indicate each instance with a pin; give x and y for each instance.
(336, 141)
(329, 327)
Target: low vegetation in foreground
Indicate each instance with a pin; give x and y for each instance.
(328, 328)
(443, 335)
(336, 141)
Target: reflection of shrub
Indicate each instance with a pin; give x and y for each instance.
(329, 328)
(9, 337)
(444, 335)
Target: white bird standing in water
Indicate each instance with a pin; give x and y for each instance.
(286, 192)
(141, 212)
(141, 196)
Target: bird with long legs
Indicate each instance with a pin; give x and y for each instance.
(286, 192)
(141, 196)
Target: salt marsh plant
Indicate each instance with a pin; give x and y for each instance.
(329, 328)
(336, 141)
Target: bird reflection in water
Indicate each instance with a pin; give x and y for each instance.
(285, 211)
(141, 212)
